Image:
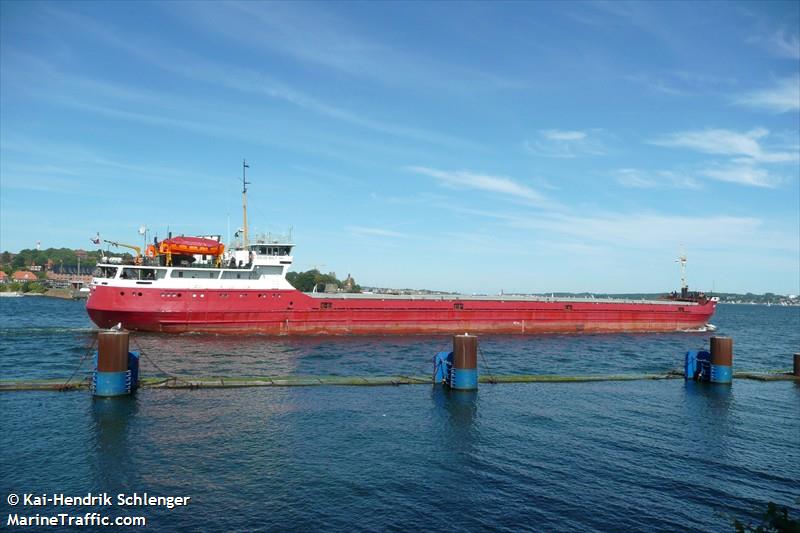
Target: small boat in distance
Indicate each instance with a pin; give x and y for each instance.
(196, 284)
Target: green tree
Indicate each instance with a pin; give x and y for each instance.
(36, 287)
(306, 281)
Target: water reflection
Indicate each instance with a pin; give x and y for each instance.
(458, 410)
(112, 420)
(259, 355)
(708, 407)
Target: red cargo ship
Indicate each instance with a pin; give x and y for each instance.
(190, 284)
(245, 290)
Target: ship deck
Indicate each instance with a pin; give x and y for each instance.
(498, 298)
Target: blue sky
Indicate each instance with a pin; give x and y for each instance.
(474, 147)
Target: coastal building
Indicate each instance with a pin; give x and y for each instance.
(62, 273)
(3, 277)
(22, 276)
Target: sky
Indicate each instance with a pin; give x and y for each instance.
(469, 147)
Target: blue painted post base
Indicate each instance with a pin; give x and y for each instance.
(456, 378)
(464, 379)
(721, 374)
(111, 383)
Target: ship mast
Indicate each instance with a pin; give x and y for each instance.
(682, 260)
(245, 183)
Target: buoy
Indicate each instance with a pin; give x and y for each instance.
(465, 362)
(116, 369)
(721, 359)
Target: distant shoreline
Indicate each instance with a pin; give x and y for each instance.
(62, 294)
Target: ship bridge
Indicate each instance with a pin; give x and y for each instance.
(263, 250)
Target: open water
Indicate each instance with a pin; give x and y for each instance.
(609, 456)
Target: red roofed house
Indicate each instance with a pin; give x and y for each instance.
(3, 277)
(20, 275)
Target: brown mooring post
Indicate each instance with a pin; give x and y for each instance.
(797, 364)
(465, 362)
(721, 359)
(112, 351)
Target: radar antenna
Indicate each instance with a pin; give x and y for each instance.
(245, 183)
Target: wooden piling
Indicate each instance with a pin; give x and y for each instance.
(112, 350)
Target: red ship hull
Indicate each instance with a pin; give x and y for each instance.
(289, 312)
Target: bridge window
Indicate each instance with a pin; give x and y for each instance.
(194, 274)
(262, 270)
(142, 273)
(106, 272)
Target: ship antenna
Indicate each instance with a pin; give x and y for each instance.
(245, 183)
(682, 260)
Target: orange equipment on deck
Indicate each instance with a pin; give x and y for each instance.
(187, 246)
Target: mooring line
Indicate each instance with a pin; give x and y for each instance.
(65, 386)
(174, 377)
(492, 380)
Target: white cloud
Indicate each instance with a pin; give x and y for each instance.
(745, 150)
(630, 177)
(782, 98)
(244, 79)
(779, 42)
(375, 232)
(558, 135)
(630, 229)
(680, 82)
(638, 179)
(646, 230)
(742, 172)
(640, 230)
(726, 142)
(484, 182)
(785, 44)
(567, 143)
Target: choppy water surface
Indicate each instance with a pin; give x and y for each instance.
(648, 456)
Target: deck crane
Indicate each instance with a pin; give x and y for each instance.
(137, 249)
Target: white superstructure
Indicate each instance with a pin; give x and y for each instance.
(259, 266)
